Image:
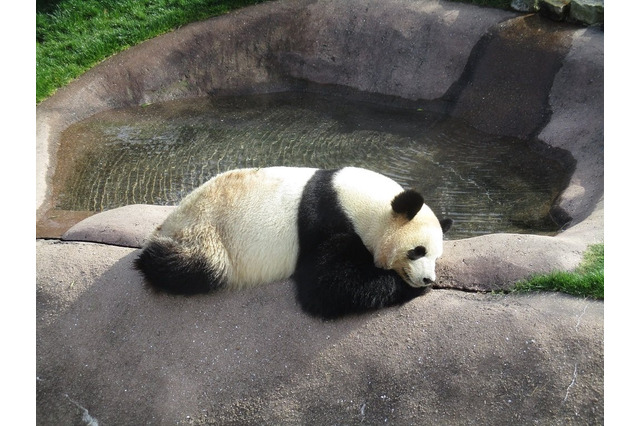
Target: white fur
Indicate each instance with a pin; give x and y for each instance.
(245, 221)
(366, 198)
(423, 230)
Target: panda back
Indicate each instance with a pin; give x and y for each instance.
(251, 216)
(320, 214)
(261, 225)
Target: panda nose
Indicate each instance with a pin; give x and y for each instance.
(427, 280)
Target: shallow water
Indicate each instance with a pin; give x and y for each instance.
(159, 153)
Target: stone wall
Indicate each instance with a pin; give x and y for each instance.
(585, 12)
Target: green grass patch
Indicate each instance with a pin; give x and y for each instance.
(586, 281)
(74, 35)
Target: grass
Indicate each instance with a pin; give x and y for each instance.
(586, 281)
(74, 35)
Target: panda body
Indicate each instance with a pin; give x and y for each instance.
(336, 232)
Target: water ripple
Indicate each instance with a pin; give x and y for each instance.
(159, 153)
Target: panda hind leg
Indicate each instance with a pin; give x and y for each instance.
(169, 267)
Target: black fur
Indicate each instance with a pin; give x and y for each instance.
(164, 268)
(340, 279)
(335, 274)
(445, 224)
(408, 203)
(417, 253)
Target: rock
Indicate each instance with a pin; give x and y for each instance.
(558, 10)
(112, 352)
(525, 5)
(589, 12)
(125, 226)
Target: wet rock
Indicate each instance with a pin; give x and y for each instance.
(525, 5)
(586, 12)
(558, 10)
(589, 12)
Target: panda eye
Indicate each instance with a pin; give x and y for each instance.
(416, 253)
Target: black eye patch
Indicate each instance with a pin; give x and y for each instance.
(416, 253)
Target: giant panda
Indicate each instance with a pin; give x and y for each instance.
(352, 239)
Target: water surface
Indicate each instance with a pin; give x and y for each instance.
(158, 153)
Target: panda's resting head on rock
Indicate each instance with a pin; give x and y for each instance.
(397, 227)
(351, 239)
(411, 248)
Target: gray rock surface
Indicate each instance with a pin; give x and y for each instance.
(110, 350)
(113, 350)
(126, 226)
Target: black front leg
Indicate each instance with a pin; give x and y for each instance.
(340, 278)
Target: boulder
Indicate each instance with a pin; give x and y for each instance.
(125, 226)
(589, 12)
(525, 5)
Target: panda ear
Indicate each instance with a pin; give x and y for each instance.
(408, 203)
(445, 224)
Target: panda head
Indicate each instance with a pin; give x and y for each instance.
(414, 241)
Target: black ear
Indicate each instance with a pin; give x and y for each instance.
(408, 203)
(445, 224)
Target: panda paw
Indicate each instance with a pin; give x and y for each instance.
(340, 279)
